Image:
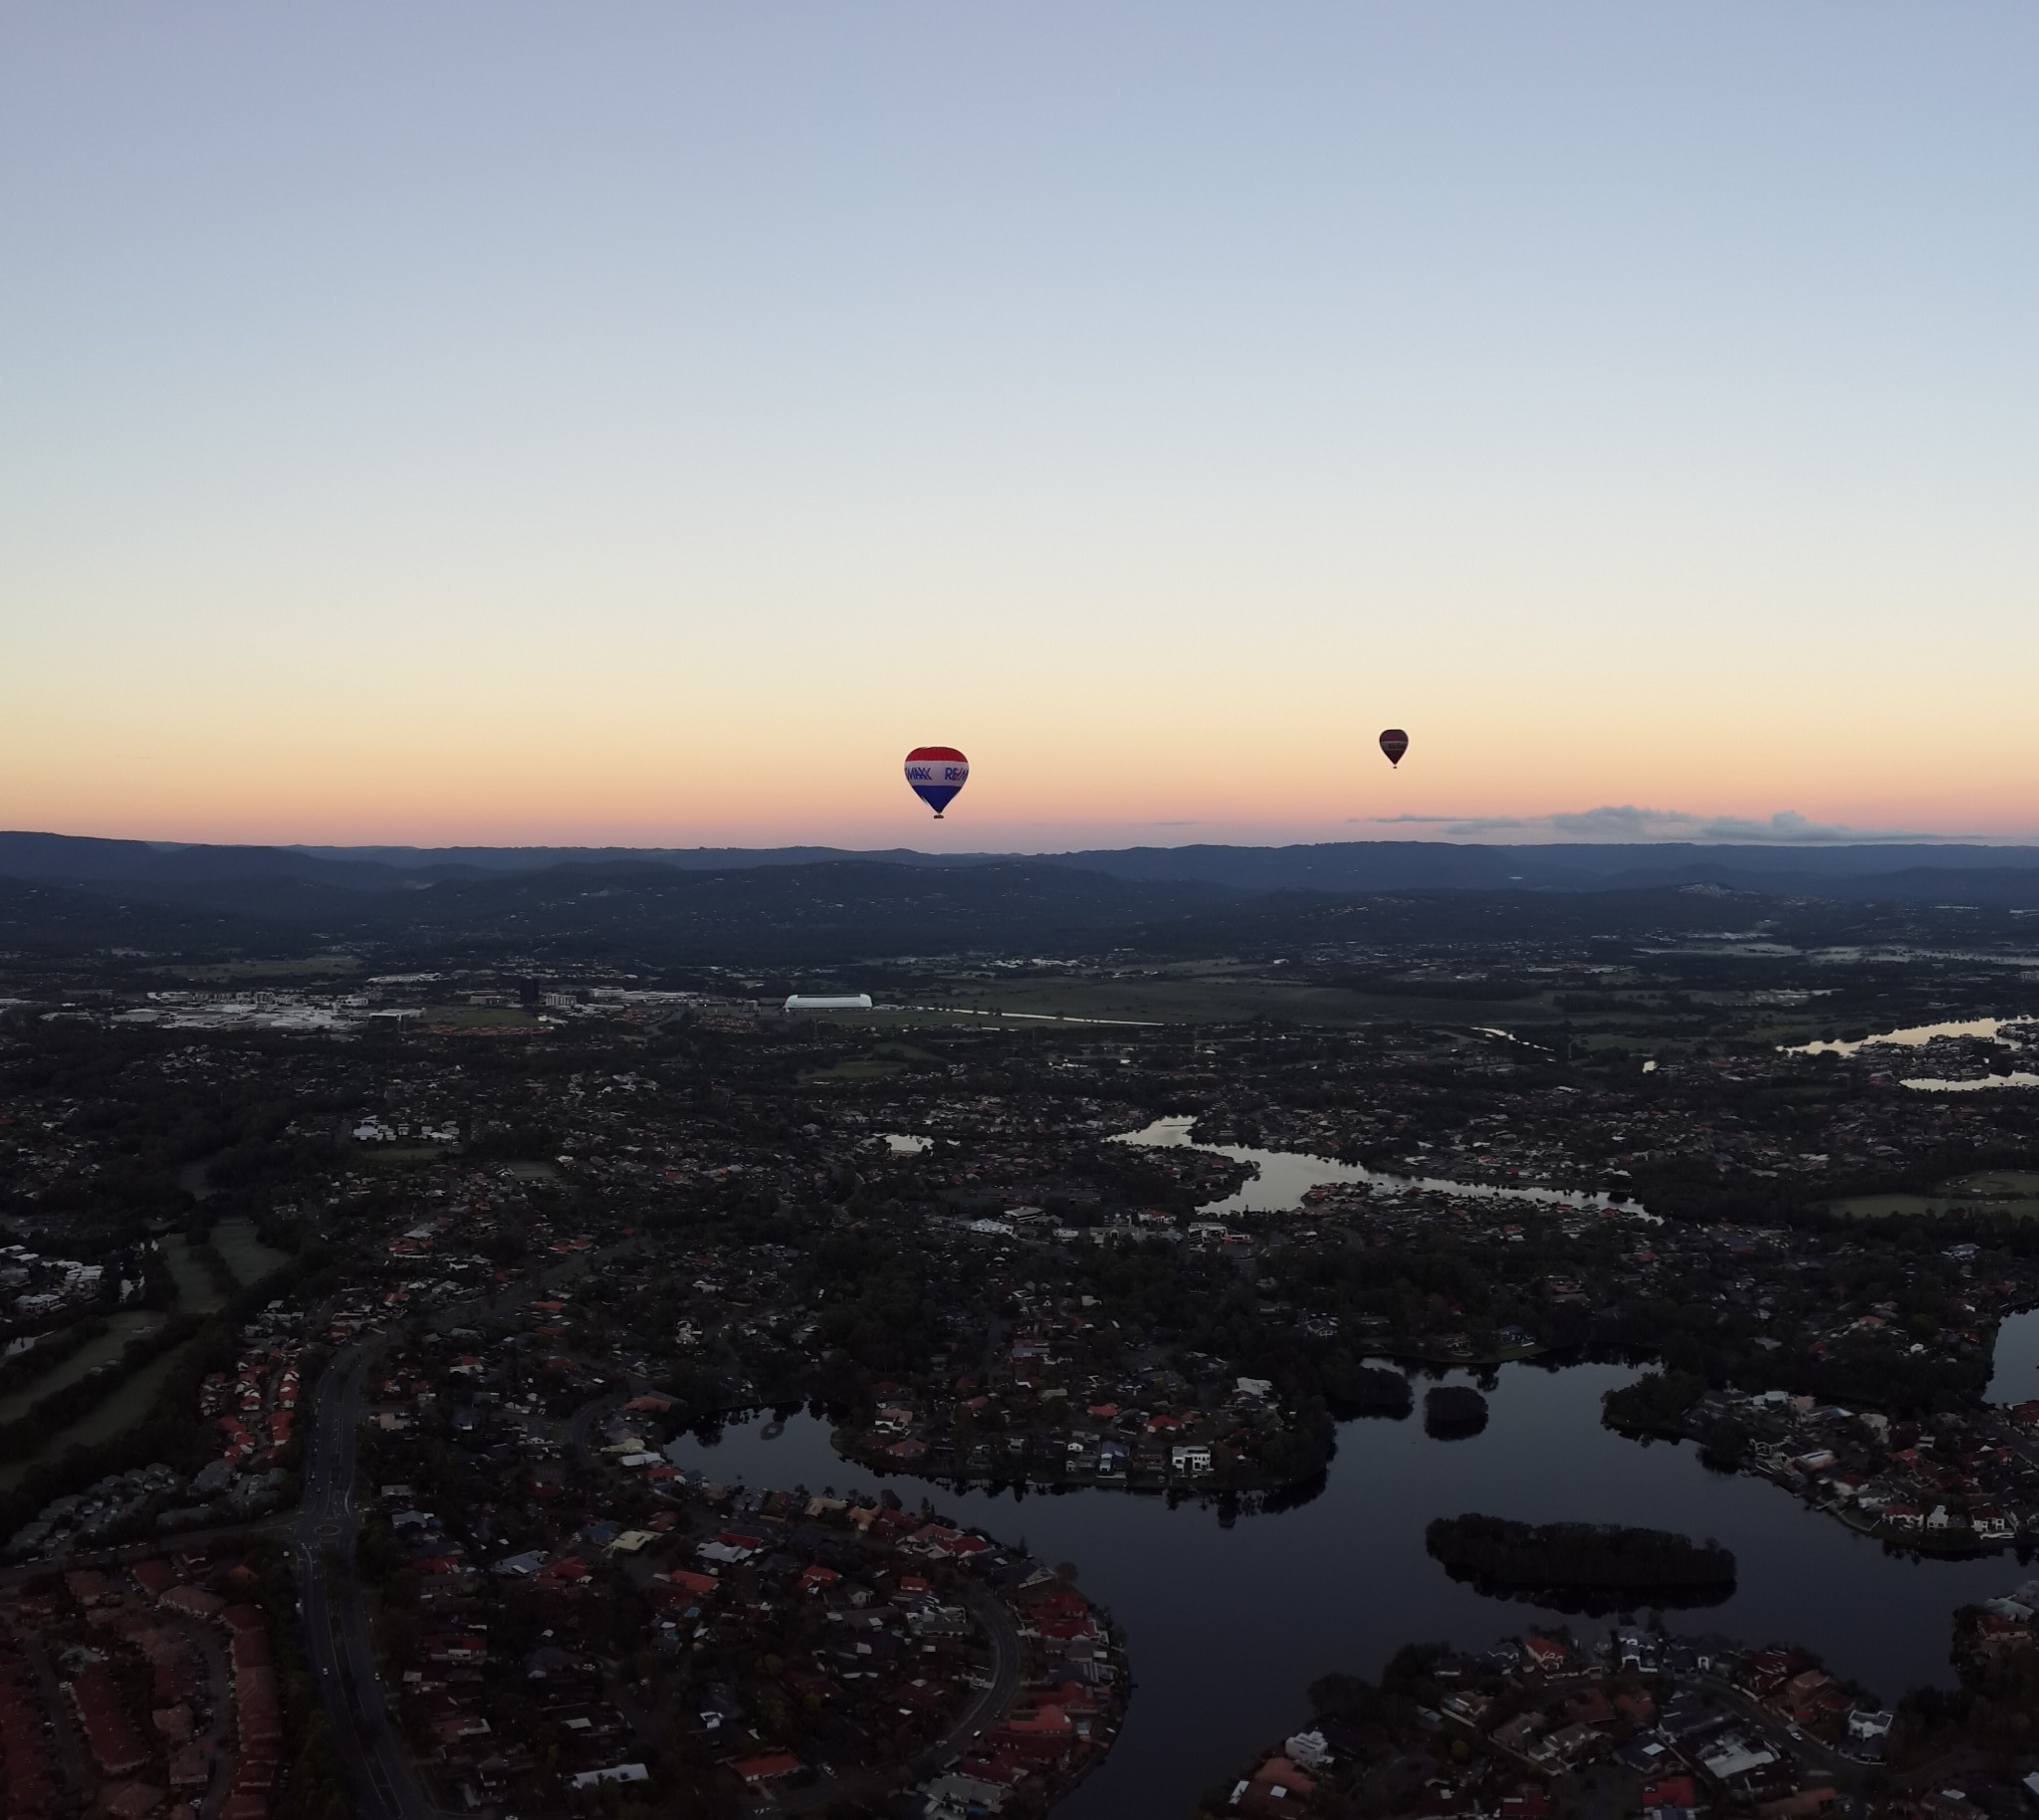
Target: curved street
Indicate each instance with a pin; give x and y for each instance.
(1008, 1659)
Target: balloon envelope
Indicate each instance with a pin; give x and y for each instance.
(1394, 743)
(935, 774)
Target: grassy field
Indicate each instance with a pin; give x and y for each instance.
(1196, 996)
(857, 1067)
(311, 967)
(1891, 1206)
(125, 1403)
(1792, 1027)
(198, 1292)
(2003, 1191)
(904, 1051)
(120, 1329)
(1996, 1185)
(247, 1256)
(114, 1415)
(1585, 1044)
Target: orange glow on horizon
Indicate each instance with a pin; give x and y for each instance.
(524, 772)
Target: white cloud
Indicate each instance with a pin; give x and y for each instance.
(1791, 828)
(1625, 821)
(1477, 827)
(1456, 821)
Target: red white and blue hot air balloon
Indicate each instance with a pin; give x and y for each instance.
(935, 774)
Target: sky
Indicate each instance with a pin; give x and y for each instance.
(496, 422)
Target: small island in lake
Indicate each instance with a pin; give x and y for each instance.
(1453, 1410)
(1581, 1566)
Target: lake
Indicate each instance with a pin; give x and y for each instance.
(2014, 1373)
(1226, 1627)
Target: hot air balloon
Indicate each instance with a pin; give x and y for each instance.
(935, 774)
(1395, 743)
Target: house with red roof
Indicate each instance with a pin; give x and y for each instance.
(767, 1766)
(1546, 1654)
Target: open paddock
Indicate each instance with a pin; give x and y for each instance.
(247, 1257)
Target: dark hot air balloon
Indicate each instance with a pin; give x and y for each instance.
(1394, 743)
(935, 774)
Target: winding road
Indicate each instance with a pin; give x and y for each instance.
(1008, 1659)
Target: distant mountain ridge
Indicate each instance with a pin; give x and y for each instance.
(1871, 871)
(1348, 866)
(1402, 865)
(804, 904)
(757, 915)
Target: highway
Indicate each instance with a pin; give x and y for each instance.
(370, 1748)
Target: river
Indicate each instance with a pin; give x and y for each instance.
(1227, 1627)
(1917, 1035)
(1911, 1036)
(1281, 1178)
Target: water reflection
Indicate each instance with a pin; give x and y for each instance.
(2004, 1030)
(1914, 1036)
(1282, 1177)
(2014, 1374)
(1227, 1625)
(1228, 1622)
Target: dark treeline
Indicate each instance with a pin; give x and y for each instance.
(50, 1351)
(1453, 1405)
(1654, 1404)
(1603, 1558)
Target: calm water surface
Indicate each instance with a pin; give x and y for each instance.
(1227, 1627)
(2014, 1377)
(1914, 1036)
(1283, 1177)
